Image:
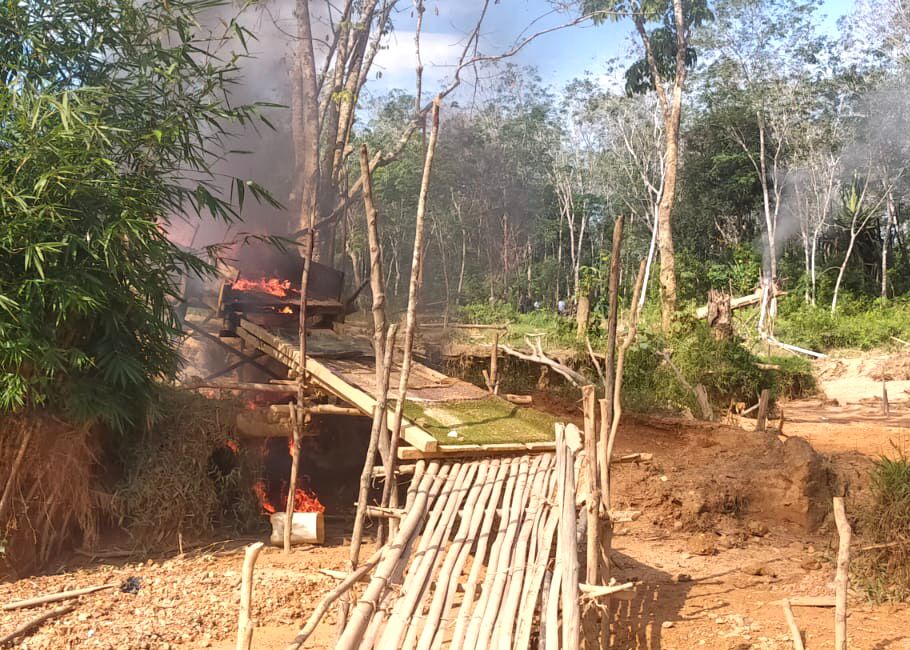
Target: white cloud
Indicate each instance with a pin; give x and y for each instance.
(397, 60)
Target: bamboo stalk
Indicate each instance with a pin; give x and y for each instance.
(490, 597)
(366, 606)
(504, 632)
(454, 562)
(537, 575)
(794, 628)
(245, 623)
(568, 552)
(36, 621)
(403, 621)
(462, 619)
(476, 617)
(844, 534)
(55, 597)
(316, 617)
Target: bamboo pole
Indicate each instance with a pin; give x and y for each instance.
(402, 619)
(501, 482)
(410, 328)
(537, 584)
(245, 623)
(593, 505)
(450, 572)
(516, 591)
(568, 551)
(493, 382)
(478, 632)
(363, 611)
(841, 580)
(794, 628)
(292, 482)
(35, 622)
(316, 617)
(505, 482)
(56, 597)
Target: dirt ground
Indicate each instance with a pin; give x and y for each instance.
(722, 539)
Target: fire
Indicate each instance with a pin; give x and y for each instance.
(304, 500)
(273, 286)
(233, 446)
(287, 309)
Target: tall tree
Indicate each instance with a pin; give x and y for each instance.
(665, 29)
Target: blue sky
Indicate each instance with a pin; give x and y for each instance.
(558, 56)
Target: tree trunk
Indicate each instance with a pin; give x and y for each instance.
(886, 243)
(720, 315)
(665, 215)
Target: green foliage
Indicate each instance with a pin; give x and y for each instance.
(727, 370)
(862, 324)
(885, 572)
(111, 112)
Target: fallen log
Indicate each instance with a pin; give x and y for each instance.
(737, 303)
(35, 622)
(56, 597)
(599, 591)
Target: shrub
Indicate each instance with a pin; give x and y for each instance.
(884, 572)
(857, 324)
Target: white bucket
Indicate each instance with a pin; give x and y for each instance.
(306, 528)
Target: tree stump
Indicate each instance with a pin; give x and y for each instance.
(720, 315)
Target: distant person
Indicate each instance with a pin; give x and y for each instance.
(561, 307)
(536, 305)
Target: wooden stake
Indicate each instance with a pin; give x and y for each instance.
(493, 384)
(410, 328)
(296, 423)
(886, 406)
(592, 508)
(841, 579)
(794, 628)
(761, 420)
(245, 624)
(35, 622)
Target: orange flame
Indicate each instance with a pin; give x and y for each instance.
(233, 446)
(273, 286)
(287, 309)
(259, 489)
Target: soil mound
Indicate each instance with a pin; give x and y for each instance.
(707, 476)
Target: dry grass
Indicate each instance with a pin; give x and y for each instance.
(883, 566)
(53, 502)
(181, 476)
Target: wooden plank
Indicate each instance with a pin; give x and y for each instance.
(325, 378)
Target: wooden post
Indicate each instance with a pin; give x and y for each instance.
(841, 580)
(761, 420)
(379, 414)
(886, 407)
(606, 411)
(377, 285)
(296, 423)
(493, 383)
(245, 624)
(410, 328)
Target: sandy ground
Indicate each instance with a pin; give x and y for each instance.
(710, 582)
